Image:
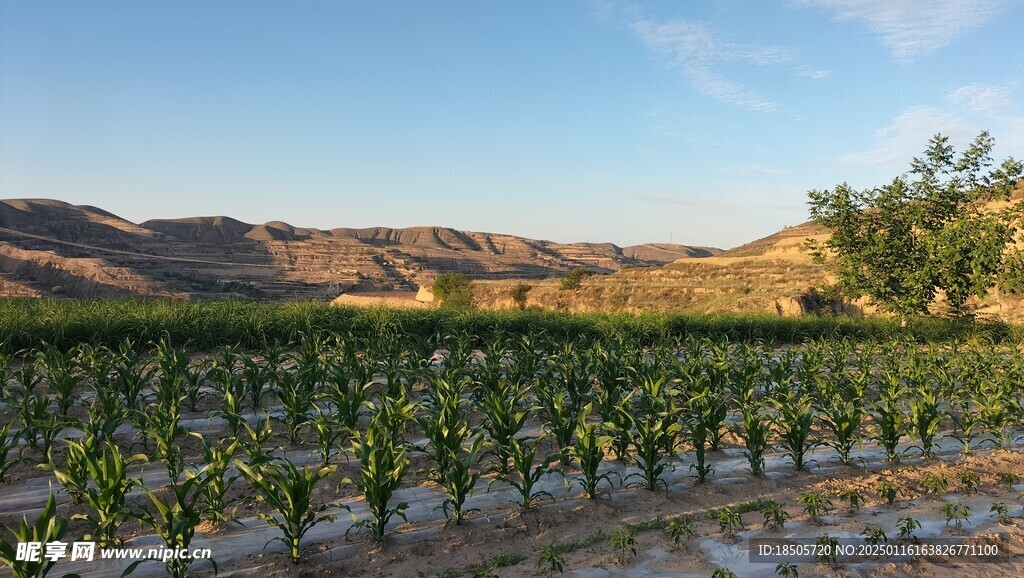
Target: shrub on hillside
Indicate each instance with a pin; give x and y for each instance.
(572, 280)
(454, 290)
(518, 294)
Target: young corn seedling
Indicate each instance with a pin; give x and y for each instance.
(815, 503)
(654, 432)
(257, 376)
(446, 433)
(459, 481)
(794, 421)
(499, 402)
(130, 377)
(49, 527)
(957, 513)
(395, 414)
(559, 417)
(107, 488)
(255, 439)
(8, 442)
(523, 455)
(296, 397)
(329, 436)
(382, 466)
(888, 415)
(841, 412)
(289, 493)
(217, 458)
(174, 521)
(589, 453)
(699, 425)
(194, 376)
(925, 416)
(754, 433)
(62, 373)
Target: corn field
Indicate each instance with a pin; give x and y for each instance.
(327, 430)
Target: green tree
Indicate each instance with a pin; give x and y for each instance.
(518, 293)
(454, 290)
(572, 280)
(926, 233)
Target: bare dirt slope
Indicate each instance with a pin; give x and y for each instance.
(86, 251)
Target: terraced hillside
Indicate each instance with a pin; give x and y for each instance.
(51, 247)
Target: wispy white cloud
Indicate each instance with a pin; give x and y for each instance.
(967, 111)
(912, 28)
(983, 99)
(693, 49)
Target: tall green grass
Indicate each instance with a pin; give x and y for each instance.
(27, 322)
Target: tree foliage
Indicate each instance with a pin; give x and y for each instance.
(454, 290)
(928, 232)
(572, 280)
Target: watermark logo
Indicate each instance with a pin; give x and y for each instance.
(86, 551)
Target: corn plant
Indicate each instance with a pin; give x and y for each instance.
(888, 415)
(699, 422)
(815, 503)
(255, 439)
(217, 458)
(174, 521)
(257, 377)
(347, 383)
(499, 401)
(589, 453)
(296, 397)
(559, 417)
(654, 432)
(107, 488)
(48, 527)
(40, 426)
(395, 413)
(925, 415)
(523, 456)
(841, 411)
(8, 441)
(328, 434)
(194, 377)
(382, 465)
(61, 371)
(444, 429)
(754, 433)
(288, 491)
(794, 421)
(459, 481)
(130, 377)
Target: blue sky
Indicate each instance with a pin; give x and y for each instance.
(701, 121)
